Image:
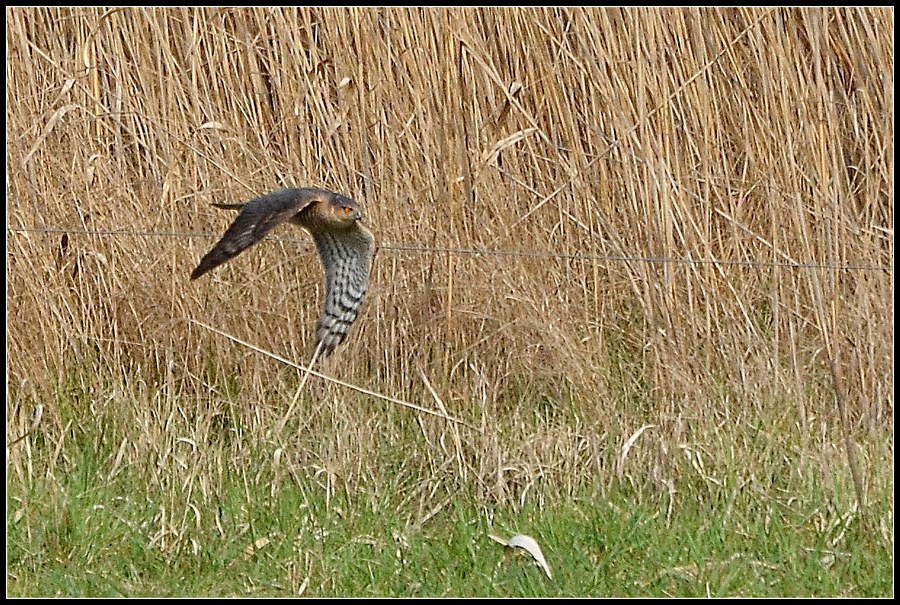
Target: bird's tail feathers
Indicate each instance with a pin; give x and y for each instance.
(228, 206)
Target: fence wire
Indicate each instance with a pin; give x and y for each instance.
(421, 248)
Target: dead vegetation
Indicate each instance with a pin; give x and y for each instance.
(626, 149)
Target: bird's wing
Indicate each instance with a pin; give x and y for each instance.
(346, 259)
(257, 218)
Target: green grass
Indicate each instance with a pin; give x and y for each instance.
(80, 528)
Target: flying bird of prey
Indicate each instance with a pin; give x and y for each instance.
(345, 247)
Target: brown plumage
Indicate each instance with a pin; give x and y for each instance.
(345, 248)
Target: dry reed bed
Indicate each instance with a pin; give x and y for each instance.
(743, 135)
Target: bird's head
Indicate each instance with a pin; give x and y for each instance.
(344, 210)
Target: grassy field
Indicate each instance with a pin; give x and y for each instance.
(116, 537)
(637, 263)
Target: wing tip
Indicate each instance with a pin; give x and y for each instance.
(202, 268)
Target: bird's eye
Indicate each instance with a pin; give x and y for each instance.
(347, 210)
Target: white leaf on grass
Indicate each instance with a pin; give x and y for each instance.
(529, 545)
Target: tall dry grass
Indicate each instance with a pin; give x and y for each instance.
(761, 138)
